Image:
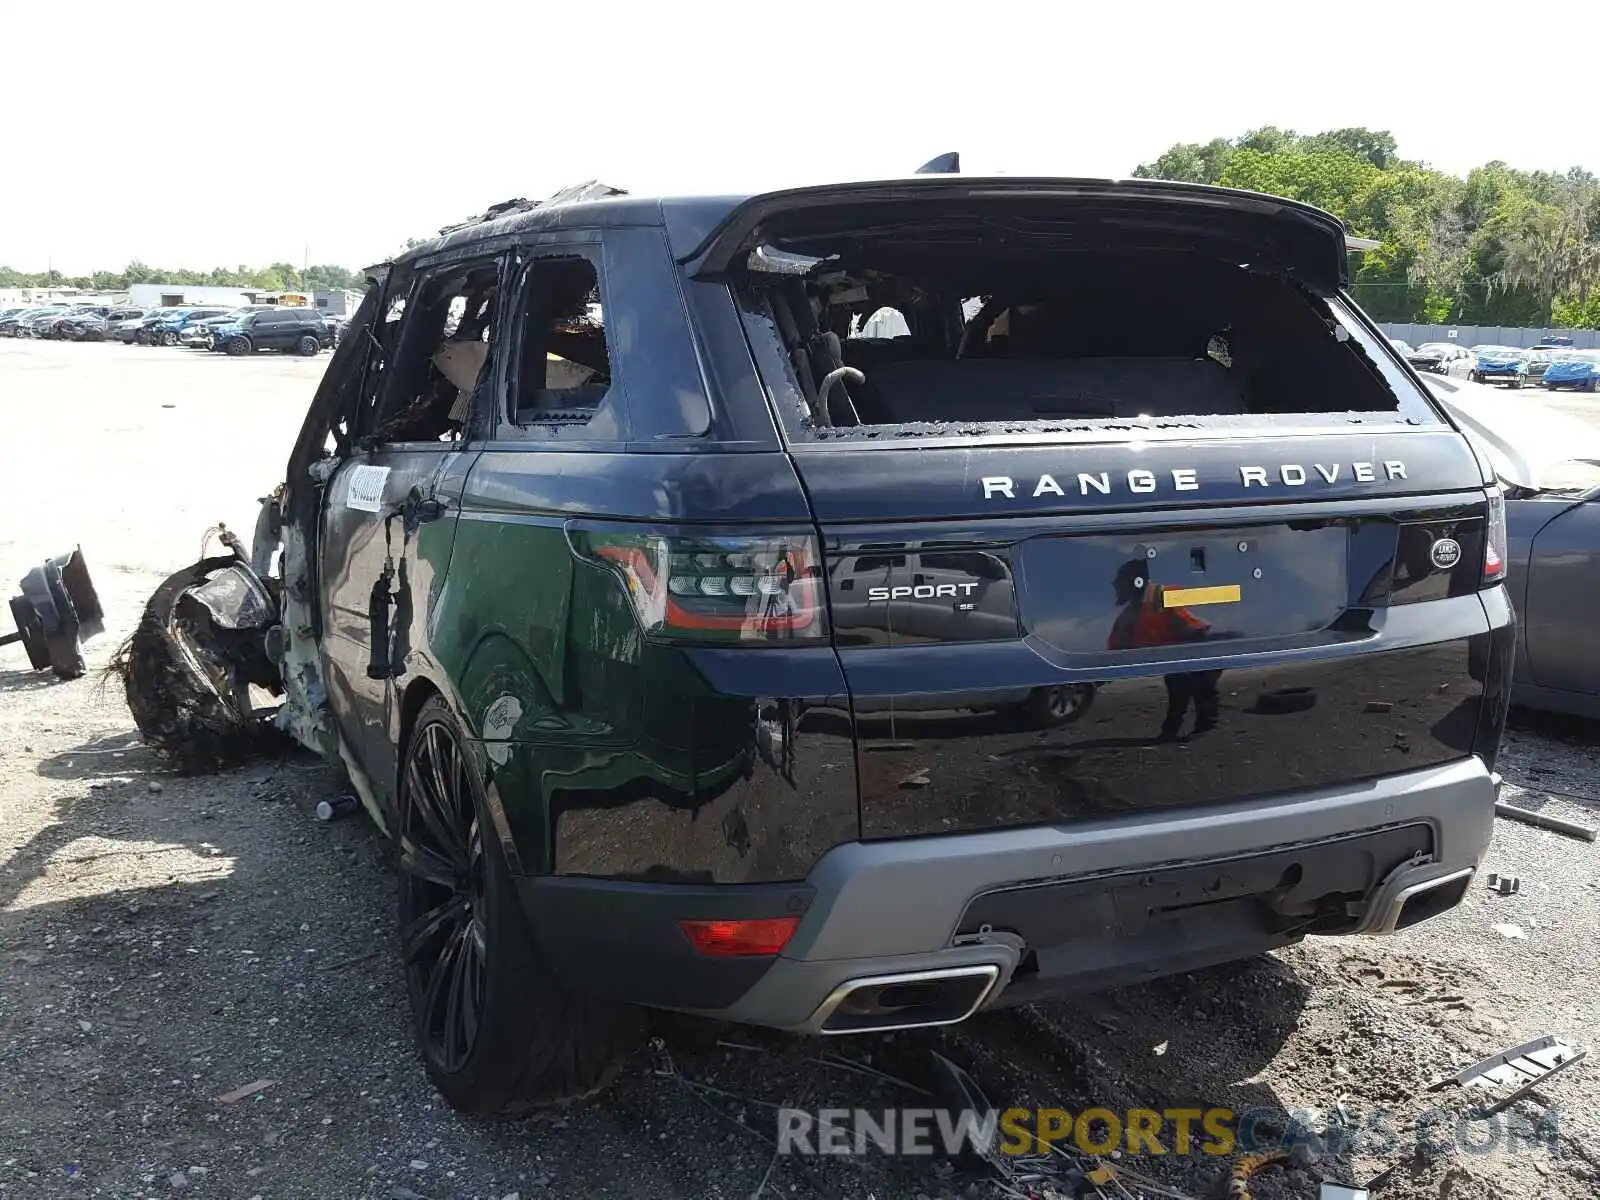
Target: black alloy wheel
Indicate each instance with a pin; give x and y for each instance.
(309, 345)
(497, 1030)
(442, 900)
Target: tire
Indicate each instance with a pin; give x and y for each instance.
(237, 346)
(188, 706)
(1589, 385)
(1516, 382)
(308, 345)
(1049, 707)
(496, 1032)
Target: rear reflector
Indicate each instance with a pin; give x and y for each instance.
(733, 939)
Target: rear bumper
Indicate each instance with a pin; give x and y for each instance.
(945, 926)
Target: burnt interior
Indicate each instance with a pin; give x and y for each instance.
(1014, 319)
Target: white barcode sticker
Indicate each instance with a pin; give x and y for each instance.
(366, 488)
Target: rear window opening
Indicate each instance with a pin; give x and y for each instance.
(943, 331)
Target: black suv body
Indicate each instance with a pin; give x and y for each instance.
(1133, 609)
(297, 330)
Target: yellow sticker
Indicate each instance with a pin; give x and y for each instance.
(1227, 593)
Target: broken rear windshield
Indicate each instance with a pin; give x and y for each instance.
(928, 332)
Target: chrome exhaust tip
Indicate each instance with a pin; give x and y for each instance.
(913, 1000)
(1405, 904)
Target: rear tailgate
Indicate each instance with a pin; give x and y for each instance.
(1073, 632)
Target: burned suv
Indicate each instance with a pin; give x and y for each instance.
(856, 607)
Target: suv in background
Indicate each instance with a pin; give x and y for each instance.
(1442, 358)
(148, 330)
(300, 330)
(699, 649)
(197, 335)
(169, 330)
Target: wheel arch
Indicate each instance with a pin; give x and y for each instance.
(417, 693)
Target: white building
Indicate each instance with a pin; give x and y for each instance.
(167, 295)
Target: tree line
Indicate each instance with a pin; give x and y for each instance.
(1500, 247)
(277, 277)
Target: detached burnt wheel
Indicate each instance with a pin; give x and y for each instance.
(308, 345)
(497, 1033)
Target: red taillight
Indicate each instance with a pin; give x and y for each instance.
(717, 588)
(1494, 539)
(737, 939)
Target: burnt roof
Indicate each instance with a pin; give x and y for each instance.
(690, 220)
(687, 219)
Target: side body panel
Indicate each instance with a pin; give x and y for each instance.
(614, 755)
(1563, 582)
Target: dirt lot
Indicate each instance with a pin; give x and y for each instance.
(164, 941)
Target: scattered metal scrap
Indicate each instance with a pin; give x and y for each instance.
(1519, 1069)
(1556, 824)
(56, 612)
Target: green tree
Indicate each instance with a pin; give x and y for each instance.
(1500, 247)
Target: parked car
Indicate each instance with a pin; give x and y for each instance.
(30, 325)
(1440, 358)
(1507, 363)
(111, 325)
(197, 335)
(1576, 369)
(89, 327)
(127, 330)
(1549, 465)
(147, 333)
(1402, 347)
(1539, 360)
(1552, 341)
(72, 325)
(11, 320)
(301, 330)
(169, 329)
(96, 324)
(556, 564)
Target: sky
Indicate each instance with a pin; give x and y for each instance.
(218, 134)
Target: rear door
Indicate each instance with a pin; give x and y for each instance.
(389, 520)
(270, 330)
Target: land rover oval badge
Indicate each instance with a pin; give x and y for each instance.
(1446, 553)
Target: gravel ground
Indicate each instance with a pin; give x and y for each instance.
(167, 941)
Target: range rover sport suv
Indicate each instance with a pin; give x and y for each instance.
(1130, 607)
